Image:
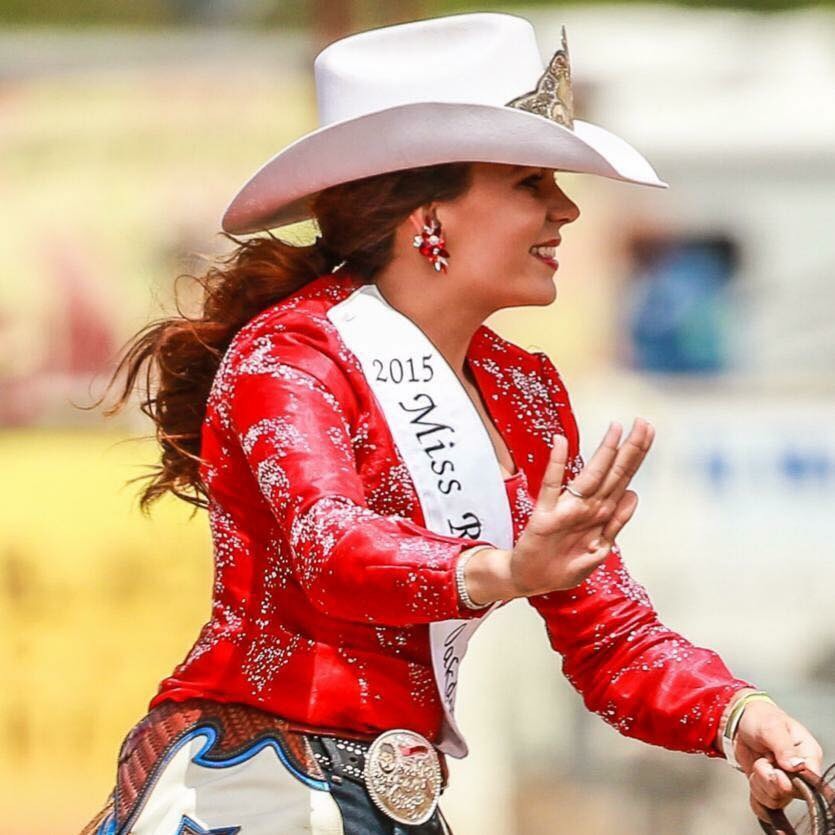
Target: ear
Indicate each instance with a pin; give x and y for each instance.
(419, 216)
(415, 217)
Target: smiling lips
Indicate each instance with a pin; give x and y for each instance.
(546, 251)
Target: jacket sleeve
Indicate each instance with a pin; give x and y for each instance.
(643, 678)
(291, 410)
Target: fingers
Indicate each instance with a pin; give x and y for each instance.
(770, 786)
(630, 457)
(622, 514)
(602, 538)
(589, 480)
(610, 470)
(549, 491)
(605, 477)
(799, 744)
(598, 551)
(788, 743)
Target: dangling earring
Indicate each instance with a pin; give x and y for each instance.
(430, 243)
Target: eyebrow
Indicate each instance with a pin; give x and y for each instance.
(516, 168)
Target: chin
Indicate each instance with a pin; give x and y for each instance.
(548, 297)
(546, 289)
(539, 299)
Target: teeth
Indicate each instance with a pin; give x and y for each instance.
(544, 251)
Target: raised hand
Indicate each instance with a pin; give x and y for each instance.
(568, 536)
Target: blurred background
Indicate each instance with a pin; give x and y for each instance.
(707, 308)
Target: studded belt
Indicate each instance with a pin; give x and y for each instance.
(341, 757)
(400, 769)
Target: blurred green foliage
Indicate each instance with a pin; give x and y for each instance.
(299, 12)
(755, 5)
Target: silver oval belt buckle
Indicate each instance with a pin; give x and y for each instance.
(403, 776)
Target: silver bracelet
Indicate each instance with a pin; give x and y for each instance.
(732, 724)
(463, 594)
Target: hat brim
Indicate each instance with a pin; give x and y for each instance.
(424, 133)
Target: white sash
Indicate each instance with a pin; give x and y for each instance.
(447, 451)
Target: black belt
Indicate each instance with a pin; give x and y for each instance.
(341, 757)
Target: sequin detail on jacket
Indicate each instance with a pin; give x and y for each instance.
(326, 578)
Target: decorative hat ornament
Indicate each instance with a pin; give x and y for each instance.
(427, 92)
(553, 97)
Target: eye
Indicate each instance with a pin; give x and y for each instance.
(533, 181)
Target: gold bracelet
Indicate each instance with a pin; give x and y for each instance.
(732, 723)
(460, 583)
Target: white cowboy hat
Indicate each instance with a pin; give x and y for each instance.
(465, 87)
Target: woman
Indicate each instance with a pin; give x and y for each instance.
(382, 470)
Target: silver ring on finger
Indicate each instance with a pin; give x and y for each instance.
(574, 492)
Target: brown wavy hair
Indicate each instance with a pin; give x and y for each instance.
(357, 223)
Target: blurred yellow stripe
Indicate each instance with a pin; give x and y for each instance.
(98, 604)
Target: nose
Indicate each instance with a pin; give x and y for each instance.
(562, 207)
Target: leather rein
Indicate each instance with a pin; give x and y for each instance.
(819, 797)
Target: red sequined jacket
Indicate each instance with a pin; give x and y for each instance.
(326, 580)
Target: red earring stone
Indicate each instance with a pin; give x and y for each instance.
(430, 243)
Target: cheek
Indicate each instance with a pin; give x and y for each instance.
(478, 237)
(516, 239)
(493, 237)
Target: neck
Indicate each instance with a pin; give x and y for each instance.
(448, 323)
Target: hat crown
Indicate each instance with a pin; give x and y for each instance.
(478, 58)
